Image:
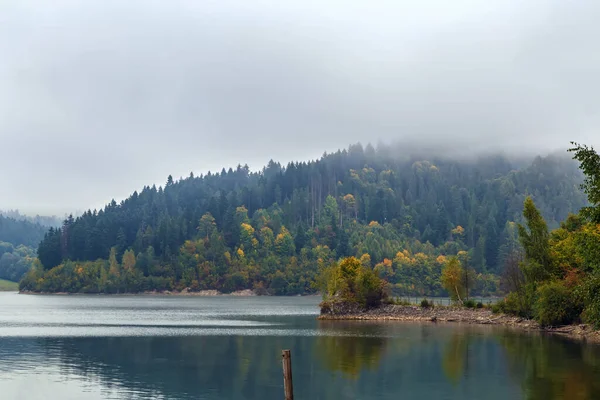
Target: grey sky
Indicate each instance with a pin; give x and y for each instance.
(99, 97)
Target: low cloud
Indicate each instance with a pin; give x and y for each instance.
(102, 97)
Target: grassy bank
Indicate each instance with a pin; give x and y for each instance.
(8, 286)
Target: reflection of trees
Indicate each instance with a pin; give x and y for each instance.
(350, 354)
(455, 357)
(249, 367)
(548, 368)
(553, 368)
(174, 367)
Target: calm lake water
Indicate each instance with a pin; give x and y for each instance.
(142, 347)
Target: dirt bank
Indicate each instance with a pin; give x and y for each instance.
(481, 316)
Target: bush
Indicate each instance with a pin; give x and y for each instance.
(515, 303)
(520, 303)
(479, 305)
(469, 303)
(426, 304)
(555, 305)
(396, 301)
(349, 281)
(589, 293)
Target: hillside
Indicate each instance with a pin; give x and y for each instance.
(20, 232)
(8, 286)
(18, 240)
(274, 229)
(43, 220)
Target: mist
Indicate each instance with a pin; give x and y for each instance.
(100, 98)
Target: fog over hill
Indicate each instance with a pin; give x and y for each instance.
(102, 97)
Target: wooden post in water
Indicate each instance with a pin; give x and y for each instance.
(288, 387)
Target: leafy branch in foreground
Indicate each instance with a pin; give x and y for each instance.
(590, 165)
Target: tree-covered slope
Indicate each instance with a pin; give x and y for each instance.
(272, 230)
(18, 241)
(20, 232)
(43, 220)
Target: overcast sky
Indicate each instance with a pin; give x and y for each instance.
(100, 97)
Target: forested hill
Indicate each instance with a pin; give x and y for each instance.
(18, 241)
(271, 230)
(43, 220)
(20, 232)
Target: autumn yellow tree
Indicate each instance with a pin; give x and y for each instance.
(452, 279)
(365, 260)
(350, 282)
(247, 236)
(128, 262)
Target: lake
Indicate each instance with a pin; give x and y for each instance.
(144, 347)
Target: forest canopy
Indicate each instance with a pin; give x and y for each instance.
(273, 230)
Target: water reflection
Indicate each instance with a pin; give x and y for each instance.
(546, 367)
(331, 360)
(351, 354)
(553, 368)
(455, 357)
(371, 361)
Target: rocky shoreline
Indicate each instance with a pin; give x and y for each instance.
(478, 316)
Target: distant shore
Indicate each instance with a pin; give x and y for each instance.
(478, 316)
(201, 293)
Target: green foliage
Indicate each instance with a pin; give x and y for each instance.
(8, 285)
(20, 232)
(517, 303)
(556, 305)
(396, 301)
(535, 240)
(561, 270)
(15, 261)
(590, 165)
(274, 229)
(469, 303)
(452, 279)
(350, 282)
(426, 304)
(479, 305)
(589, 292)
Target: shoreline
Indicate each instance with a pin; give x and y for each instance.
(201, 293)
(472, 316)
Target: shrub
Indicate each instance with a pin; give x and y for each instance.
(469, 303)
(589, 293)
(349, 281)
(426, 304)
(396, 301)
(370, 289)
(555, 305)
(479, 305)
(520, 303)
